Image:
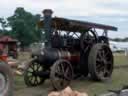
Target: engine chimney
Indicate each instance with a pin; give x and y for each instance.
(47, 26)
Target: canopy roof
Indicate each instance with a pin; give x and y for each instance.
(75, 25)
(7, 39)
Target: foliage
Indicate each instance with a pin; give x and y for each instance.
(3, 23)
(120, 39)
(24, 26)
(4, 26)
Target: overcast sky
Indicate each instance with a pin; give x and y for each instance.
(112, 12)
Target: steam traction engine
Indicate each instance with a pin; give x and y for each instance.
(72, 48)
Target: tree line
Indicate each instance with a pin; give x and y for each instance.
(22, 25)
(119, 39)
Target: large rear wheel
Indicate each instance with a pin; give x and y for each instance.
(100, 62)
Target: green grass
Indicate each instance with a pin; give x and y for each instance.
(120, 59)
(92, 88)
(119, 78)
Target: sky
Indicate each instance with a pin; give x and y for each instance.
(111, 12)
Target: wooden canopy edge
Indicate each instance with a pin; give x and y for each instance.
(76, 25)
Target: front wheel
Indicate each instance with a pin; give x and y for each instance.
(31, 77)
(100, 62)
(61, 74)
(6, 80)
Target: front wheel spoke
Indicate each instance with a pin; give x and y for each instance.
(35, 81)
(67, 70)
(38, 66)
(33, 65)
(30, 78)
(39, 78)
(41, 68)
(29, 72)
(58, 69)
(67, 78)
(62, 67)
(59, 74)
(36, 78)
(30, 69)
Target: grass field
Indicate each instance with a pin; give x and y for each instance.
(119, 78)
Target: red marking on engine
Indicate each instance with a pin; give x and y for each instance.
(74, 58)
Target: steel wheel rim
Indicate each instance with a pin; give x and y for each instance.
(3, 83)
(31, 73)
(62, 76)
(104, 62)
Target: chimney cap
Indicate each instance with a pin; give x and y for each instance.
(47, 12)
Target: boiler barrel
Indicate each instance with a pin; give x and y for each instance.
(51, 55)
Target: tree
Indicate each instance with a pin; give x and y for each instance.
(4, 25)
(24, 27)
(120, 39)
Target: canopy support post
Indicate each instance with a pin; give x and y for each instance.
(105, 33)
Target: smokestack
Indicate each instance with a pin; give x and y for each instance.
(47, 12)
(47, 26)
